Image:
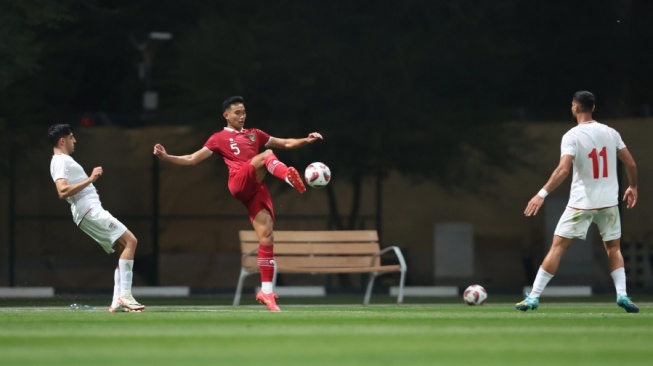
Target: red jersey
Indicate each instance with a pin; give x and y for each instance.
(237, 147)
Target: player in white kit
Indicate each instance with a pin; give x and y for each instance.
(592, 148)
(77, 188)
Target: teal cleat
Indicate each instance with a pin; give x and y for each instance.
(528, 303)
(626, 303)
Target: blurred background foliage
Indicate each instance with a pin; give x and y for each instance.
(426, 88)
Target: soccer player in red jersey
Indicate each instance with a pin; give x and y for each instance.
(239, 147)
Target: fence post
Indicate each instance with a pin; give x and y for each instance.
(155, 221)
(11, 255)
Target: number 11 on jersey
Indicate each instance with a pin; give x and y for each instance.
(595, 162)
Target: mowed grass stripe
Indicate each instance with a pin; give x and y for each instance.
(324, 335)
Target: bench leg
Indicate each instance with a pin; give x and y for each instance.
(274, 276)
(370, 285)
(400, 297)
(239, 287)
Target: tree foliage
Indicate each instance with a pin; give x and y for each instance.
(22, 24)
(419, 87)
(391, 88)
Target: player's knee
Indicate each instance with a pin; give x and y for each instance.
(265, 154)
(259, 160)
(612, 245)
(267, 238)
(131, 241)
(119, 246)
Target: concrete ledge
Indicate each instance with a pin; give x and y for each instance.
(299, 291)
(44, 292)
(426, 291)
(161, 291)
(563, 291)
(26, 292)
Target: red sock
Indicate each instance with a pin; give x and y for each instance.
(265, 264)
(275, 167)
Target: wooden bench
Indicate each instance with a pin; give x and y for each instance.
(322, 252)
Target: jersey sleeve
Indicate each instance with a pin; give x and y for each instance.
(617, 139)
(262, 137)
(59, 169)
(212, 143)
(568, 145)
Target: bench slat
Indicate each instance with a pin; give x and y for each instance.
(326, 270)
(281, 248)
(391, 268)
(317, 236)
(320, 261)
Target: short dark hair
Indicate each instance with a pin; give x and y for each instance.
(232, 100)
(585, 99)
(55, 132)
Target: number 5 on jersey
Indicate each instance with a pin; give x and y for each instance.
(234, 147)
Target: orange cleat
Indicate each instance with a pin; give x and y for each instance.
(296, 180)
(268, 300)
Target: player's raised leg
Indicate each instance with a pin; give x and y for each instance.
(263, 225)
(271, 163)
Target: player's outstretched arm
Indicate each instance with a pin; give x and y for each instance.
(192, 159)
(289, 144)
(557, 177)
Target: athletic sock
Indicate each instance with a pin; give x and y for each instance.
(126, 274)
(116, 288)
(275, 167)
(266, 287)
(266, 266)
(619, 278)
(541, 280)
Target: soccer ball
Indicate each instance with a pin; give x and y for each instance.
(317, 175)
(475, 295)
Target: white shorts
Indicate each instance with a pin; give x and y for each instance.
(574, 223)
(100, 225)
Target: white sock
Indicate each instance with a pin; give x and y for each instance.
(126, 275)
(266, 287)
(619, 278)
(116, 288)
(541, 280)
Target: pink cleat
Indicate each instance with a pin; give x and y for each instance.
(295, 179)
(268, 300)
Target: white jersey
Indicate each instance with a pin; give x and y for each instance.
(63, 166)
(594, 148)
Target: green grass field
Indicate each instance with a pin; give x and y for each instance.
(412, 334)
